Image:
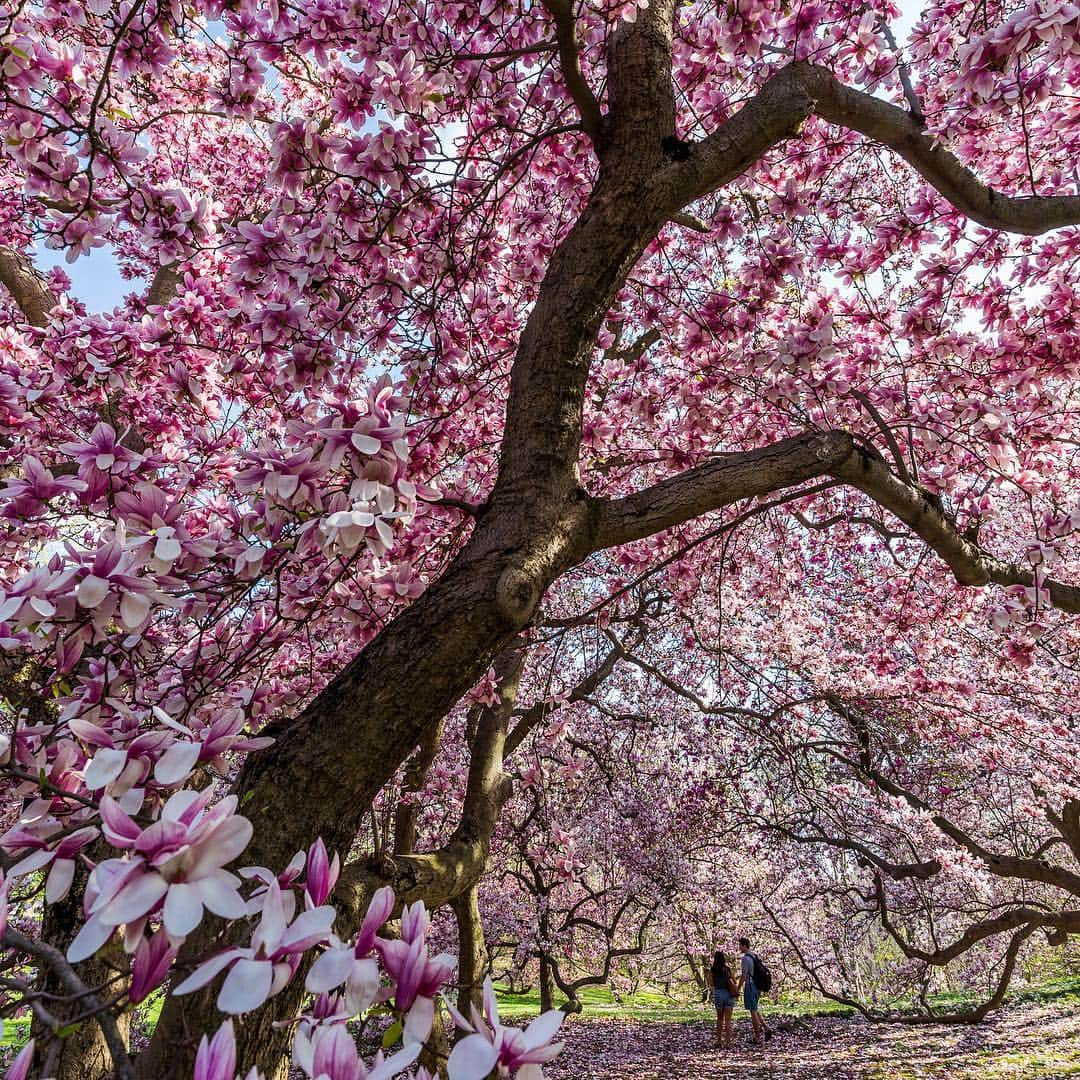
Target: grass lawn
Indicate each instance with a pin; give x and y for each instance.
(650, 1006)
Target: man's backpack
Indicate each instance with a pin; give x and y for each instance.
(762, 978)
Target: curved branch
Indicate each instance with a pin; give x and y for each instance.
(800, 90)
(969, 563)
(1016, 918)
(726, 479)
(570, 60)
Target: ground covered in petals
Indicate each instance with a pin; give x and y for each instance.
(1026, 1040)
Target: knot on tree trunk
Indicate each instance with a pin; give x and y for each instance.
(516, 596)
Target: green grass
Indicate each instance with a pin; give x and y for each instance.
(651, 1006)
(16, 1032)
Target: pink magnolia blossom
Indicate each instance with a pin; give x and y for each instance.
(36, 487)
(177, 867)
(354, 966)
(416, 978)
(264, 968)
(150, 965)
(19, 1069)
(333, 1056)
(506, 1050)
(216, 1058)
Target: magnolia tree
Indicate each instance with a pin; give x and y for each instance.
(446, 316)
(913, 812)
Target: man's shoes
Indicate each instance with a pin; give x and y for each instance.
(768, 1035)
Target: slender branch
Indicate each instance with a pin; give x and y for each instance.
(538, 712)
(688, 221)
(886, 433)
(904, 72)
(570, 60)
(71, 982)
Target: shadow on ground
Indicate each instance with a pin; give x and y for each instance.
(1024, 1041)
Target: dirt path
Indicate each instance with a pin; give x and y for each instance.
(1024, 1042)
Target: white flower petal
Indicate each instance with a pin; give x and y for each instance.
(134, 607)
(89, 939)
(473, 1056)
(205, 972)
(176, 763)
(135, 899)
(220, 846)
(419, 1019)
(104, 769)
(397, 1063)
(366, 444)
(59, 881)
(542, 1030)
(330, 970)
(183, 909)
(219, 894)
(167, 549)
(314, 924)
(91, 591)
(34, 861)
(246, 986)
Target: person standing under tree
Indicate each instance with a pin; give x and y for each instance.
(752, 990)
(724, 991)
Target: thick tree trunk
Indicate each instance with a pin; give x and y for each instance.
(332, 760)
(472, 951)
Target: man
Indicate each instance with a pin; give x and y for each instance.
(751, 994)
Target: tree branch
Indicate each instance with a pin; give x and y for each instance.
(726, 479)
(570, 60)
(28, 288)
(54, 959)
(800, 90)
(165, 284)
(969, 563)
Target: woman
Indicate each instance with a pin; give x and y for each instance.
(725, 990)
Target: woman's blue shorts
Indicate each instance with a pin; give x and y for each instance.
(722, 999)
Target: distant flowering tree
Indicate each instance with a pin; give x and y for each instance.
(452, 325)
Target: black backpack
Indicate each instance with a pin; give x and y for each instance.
(761, 977)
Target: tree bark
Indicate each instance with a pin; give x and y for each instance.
(472, 951)
(547, 983)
